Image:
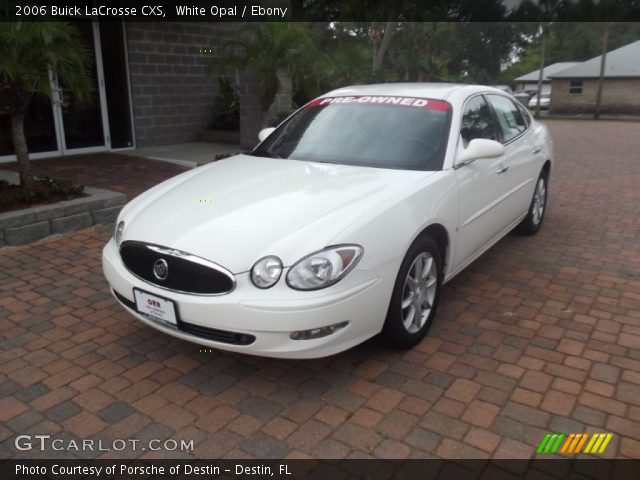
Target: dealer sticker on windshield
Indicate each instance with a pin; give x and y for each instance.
(383, 100)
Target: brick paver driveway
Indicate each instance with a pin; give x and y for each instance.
(540, 334)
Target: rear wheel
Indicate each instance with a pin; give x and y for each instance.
(533, 221)
(415, 295)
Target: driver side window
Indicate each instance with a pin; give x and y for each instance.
(477, 121)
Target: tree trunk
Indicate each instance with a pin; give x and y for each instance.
(384, 46)
(268, 92)
(603, 61)
(22, 151)
(264, 117)
(375, 42)
(543, 53)
(389, 30)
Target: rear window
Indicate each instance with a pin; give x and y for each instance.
(510, 119)
(393, 132)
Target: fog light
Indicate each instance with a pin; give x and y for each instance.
(318, 332)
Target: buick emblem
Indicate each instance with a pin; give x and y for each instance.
(160, 269)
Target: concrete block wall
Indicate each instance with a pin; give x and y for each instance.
(174, 89)
(619, 96)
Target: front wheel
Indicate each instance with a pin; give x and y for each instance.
(415, 295)
(533, 221)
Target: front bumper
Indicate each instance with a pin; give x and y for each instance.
(268, 315)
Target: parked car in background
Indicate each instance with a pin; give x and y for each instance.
(545, 99)
(504, 88)
(343, 223)
(522, 97)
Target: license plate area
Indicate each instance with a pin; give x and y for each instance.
(159, 309)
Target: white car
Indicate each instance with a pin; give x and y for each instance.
(343, 223)
(545, 100)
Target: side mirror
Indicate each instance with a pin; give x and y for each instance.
(264, 133)
(479, 148)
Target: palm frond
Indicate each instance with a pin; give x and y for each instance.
(30, 50)
(270, 50)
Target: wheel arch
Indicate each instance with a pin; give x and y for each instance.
(439, 233)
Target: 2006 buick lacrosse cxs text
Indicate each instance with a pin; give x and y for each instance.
(343, 223)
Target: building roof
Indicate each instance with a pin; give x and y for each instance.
(621, 62)
(546, 72)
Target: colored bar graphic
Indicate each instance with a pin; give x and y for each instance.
(598, 443)
(605, 442)
(581, 442)
(557, 443)
(596, 446)
(550, 443)
(574, 443)
(543, 443)
(591, 443)
(565, 447)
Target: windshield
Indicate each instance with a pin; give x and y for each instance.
(403, 133)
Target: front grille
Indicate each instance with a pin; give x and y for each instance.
(214, 334)
(186, 273)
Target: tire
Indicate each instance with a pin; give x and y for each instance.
(401, 329)
(535, 216)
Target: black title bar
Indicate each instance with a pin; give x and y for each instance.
(585, 469)
(318, 10)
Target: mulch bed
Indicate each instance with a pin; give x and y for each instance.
(45, 190)
(117, 172)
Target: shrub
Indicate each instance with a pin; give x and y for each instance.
(227, 113)
(45, 190)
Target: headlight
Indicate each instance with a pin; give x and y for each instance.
(266, 272)
(118, 233)
(324, 268)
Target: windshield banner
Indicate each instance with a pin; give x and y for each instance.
(383, 100)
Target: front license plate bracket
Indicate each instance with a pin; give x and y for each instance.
(156, 308)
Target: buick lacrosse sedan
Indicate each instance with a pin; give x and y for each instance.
(343, 223)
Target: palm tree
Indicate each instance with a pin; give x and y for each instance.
(425, 51)
(29, 53)
(270, 50)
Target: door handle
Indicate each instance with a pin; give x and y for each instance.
(503, 169)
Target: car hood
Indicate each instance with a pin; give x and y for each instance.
(239, 209)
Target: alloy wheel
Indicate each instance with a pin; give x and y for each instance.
(539, 201)
(419, 292)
